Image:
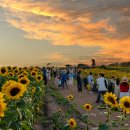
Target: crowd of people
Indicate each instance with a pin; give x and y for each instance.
(64, 78)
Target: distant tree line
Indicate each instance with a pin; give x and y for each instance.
(125, 64)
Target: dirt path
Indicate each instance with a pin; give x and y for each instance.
(80, 98)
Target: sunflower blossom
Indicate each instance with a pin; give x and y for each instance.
(87, 107)
(72, 123)
(70, 97)
(15, 90)
(125, 104)
(110, 99)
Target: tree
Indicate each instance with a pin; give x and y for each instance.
(93, 63)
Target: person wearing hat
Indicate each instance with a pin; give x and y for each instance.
(124, 87)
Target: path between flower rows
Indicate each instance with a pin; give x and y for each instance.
(80, 98)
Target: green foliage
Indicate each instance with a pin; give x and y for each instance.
(103, 127)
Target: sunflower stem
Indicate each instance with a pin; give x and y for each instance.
(123, 119)
(109, 118)
(87, 121)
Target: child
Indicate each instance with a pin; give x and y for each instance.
(56, 80)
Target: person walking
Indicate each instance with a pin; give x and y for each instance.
(112, 84)
(64, 80)
(71, 79)
(102, 87)
(117, 88)
(44, 75)
(79, 81)
(91, 81)
(124, 87)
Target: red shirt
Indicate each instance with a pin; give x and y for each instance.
(124, 88)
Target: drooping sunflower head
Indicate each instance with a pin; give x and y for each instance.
(15, 90)
(125, 104)
(3, 71)
(39, 78)
(72, 123)
(110, 100)
(24, 81)
(87, 107)
(70, 97)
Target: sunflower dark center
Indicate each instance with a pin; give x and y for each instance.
(21, 76)
(87, 107)
(33, 73)
(127, 104)
(11, 74)
(3, 71)
(112, 100)
(71, 123)
(39, 78)
(23, 81)
(16, 71)
(14, 91)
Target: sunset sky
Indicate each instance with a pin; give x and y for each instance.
(35, 32)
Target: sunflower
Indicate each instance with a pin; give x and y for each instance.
(87, 107)
(33, 89)
(125, 104)
(15, 90)
(15, 67)
(70, 97)
(24, 81)
(16, 71)
(33, 73)
(88, 87)
(110, 99)
(31, 68)
(72, 123)
(25, 73)
(1, 95)
(35, 69)
(3, 71)
(21, 76)
(2, 108)
(9, 68)
(10, 75)
(20, 69)
(39, 78)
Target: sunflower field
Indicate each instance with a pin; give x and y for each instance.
(108, 73)
(21, 90)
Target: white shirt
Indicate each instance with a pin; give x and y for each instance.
(101, 84)
(90, 79)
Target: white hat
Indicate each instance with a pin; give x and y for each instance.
(124, 79)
